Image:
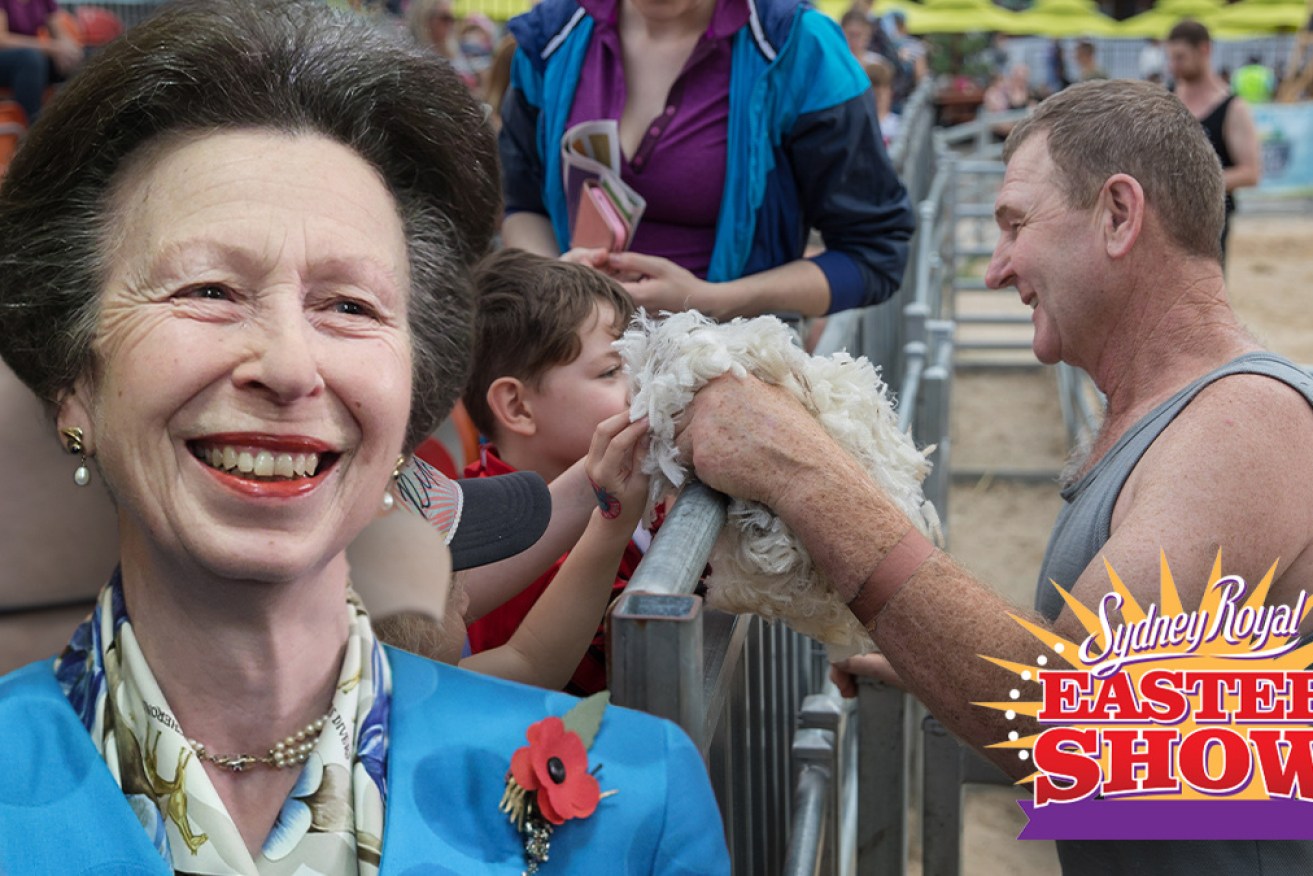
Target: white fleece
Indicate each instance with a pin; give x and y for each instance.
(758, 564)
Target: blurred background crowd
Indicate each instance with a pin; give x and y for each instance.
(983, 54)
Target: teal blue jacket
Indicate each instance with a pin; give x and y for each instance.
(804, 149)
(452, 734)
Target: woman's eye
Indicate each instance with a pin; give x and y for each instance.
(350, 307)
(209, 292)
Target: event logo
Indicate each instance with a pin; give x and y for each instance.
(1170, 724)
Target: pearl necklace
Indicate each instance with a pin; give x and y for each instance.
(292, 751)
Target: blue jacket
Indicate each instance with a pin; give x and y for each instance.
(452, 734)
(804, 148)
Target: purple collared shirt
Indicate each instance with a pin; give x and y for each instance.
(26, 17)
(679, 167)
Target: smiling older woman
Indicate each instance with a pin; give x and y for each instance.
(233, 259)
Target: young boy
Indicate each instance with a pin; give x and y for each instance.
(545, 375)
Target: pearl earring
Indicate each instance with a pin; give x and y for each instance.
(388, 501)
(73, 436)
(401, 463)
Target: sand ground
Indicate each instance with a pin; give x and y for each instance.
(1009, 421)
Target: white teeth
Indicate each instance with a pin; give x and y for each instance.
(260, 463)
(264, 464)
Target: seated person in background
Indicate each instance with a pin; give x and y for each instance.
(1010, 91)
(34, 51)
(545, 375)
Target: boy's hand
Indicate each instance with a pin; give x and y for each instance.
(614, 467)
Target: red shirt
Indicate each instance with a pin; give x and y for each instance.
(497, 626)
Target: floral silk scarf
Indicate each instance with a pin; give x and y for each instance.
(332, 821)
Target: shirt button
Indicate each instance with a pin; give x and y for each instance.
(654, 130)
(670, 110)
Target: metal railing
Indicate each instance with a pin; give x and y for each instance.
(808, 783)
(977, 170)
(747, 692)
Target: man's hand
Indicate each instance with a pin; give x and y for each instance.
(844, 673)
(750, 440)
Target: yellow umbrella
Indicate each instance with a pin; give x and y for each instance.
(1063, 18)
(1163, 17)
(1258, 16)
(1091, 5)
(958, 16)
(497, 10)
(836, 8)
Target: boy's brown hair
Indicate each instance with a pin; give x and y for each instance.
(529, 311)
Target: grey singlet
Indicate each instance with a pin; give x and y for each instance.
(1082, 529)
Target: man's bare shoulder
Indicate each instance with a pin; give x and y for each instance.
(1245, 427)
(1250, 405)
(1233, 472)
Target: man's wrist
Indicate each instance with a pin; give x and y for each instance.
(893, 570)
(801, 483)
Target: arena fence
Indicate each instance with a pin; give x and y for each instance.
(972, 155)
(750, 695)
(808, 783)
(972, 171)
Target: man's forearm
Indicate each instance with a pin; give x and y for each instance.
(934, 627)
(934, 631)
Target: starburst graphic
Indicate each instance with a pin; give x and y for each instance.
(1159, 703)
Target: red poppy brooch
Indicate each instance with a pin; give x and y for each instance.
(549, 782)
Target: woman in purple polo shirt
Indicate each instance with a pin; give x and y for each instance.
(28, 62)
(743, 123)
